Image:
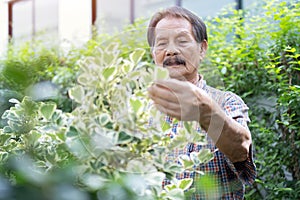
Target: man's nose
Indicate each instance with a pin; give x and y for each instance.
(171, 51)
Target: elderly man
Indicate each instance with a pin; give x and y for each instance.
(179, 42)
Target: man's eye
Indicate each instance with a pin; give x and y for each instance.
(183, 41)
(161, 44)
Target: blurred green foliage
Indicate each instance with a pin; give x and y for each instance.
(254, 54)
(257, 55)
(105, 139)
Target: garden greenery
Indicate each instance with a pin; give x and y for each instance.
(90, 138)
(257, 56)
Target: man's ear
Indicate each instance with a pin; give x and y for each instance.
(152, 54)
(203, 48)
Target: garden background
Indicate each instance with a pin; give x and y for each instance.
(85, 137)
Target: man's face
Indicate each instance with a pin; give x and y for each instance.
(176, 49)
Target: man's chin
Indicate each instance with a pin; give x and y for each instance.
(176, 75)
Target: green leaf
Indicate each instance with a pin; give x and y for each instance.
(154, 178)
(33, 138)
(7, 129)
(3, 138)
(205, 155)
(78, 146)
(30, 107)
(72, 132)
(108, 58)
(104, 119)
(186, 162)
(178, 140)
(165, 126)
(198, 138)
(284, 189)
(137, 55)
(176, 194)
(292, 50)
(170, 187)
(47, 110)
(83, 79)
(136, 166)
(175, 168)
(108, 73)
(147, 78)
(160, 73)
(77, 93)
(185, 184)
(194, 158)
(124, 138)
(10, 115)
(136, 105)
(259, 181)
(188, 126)
(134, 75)
(13, 100)
(3, 156)
(127, 66)
(94, 181)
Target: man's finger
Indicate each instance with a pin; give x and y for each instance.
(169, 112)
(156, 91)
(167, 104)
(173, 84)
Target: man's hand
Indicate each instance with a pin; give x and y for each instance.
(180, 99)
(187, 102)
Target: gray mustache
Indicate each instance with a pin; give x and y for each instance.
(175, 60)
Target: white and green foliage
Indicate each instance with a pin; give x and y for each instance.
(110, 129)
(37, 129)
(107, 136)
(255, 55)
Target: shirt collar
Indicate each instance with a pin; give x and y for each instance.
(201, 83)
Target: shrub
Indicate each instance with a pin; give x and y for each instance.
(257, 56)
(254, 54)
(106, 138)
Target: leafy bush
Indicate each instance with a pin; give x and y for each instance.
(106, 138)
(257, 56)
(51, 146)
(32, 66)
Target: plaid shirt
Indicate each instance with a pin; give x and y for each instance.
(228, 179)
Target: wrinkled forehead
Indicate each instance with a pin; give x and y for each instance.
(167, 33)
(173, 26)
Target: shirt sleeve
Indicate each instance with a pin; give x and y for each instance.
(238, 110)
